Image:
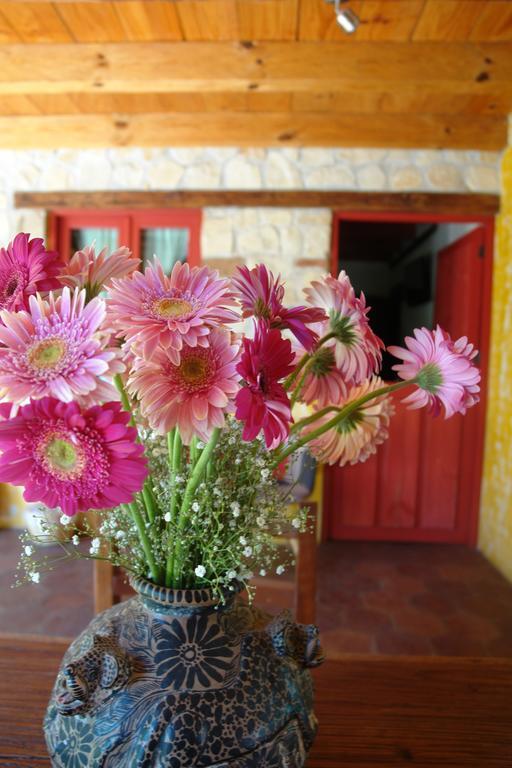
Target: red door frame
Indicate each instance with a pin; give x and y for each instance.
(130, 222)
(474, 472)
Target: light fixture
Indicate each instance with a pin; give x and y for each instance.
(346, 17)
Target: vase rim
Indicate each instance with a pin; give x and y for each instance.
(194, 598)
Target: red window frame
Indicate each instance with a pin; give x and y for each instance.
(129, 223)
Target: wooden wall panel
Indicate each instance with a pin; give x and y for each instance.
(495, 22)
(387, 20)
(213, 20)
(269, 20)
(149, 21)
(447, 20)
(7, 33)
(36, 22)
(92, 22)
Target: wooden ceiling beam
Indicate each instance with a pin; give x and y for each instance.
(458, 68)
(246, 129)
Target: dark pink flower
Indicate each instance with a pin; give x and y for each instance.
(262, 404)
(261, 296)
(71, 458)
(25, 268)
(444, 369)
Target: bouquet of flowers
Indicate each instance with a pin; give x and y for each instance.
(138, 395)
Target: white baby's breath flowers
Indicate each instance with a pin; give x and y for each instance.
(242, 540)
(35, 577)
(265, 473)
(231, 575)
(200, 571)
(167, 517)
(280, 570)
(235, 508)
(29, 550)
(195, 507)
(260, 521)
(247, 551)
(120, 535)
(95, 546)
(75, 540)
(65, 519)
(296, 522)
(263, 572)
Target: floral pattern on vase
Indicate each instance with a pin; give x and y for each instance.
(210, 685)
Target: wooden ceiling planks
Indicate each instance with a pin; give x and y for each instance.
(143, 21)
(270, 20)
(214, 20)
(92, 23)
(450, 20)
(36, 22)
(494, 23)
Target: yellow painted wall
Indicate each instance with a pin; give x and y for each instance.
(495, 535)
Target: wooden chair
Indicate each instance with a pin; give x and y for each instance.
(110, 585)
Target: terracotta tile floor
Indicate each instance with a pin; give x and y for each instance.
(373, 598)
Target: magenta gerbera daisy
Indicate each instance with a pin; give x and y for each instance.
(357, 349)
(355, 438)
(261, 296)
(71, 458)
(193, 395)
(263, 404)
(443, 369)
(26, 267)
(55, 349)
(153, 309)
(95, 272)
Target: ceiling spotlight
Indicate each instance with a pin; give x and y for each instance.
(346, 18)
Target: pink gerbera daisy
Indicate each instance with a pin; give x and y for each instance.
(357, 349)
(261, 296)
(152, 308)
(355, 438)
(95, 272)
(54, 349)
(324, 383)
(26, 267)
(262, 404)
(192, 395)
(445, 373)
(71, 458)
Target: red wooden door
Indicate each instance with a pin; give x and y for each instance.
(423, 484)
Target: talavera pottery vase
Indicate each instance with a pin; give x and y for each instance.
(176, 679)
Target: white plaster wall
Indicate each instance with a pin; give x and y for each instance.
(295, 242)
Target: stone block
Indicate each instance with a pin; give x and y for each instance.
(202, 176)
(164, 174)
(446, 177)
(188, 155)
(240, 173)
(128, 176)
(316, 241)
(316, 157)
(361, 156)
(482, 178)
(225, 267)
(280, 173)
(30, 220)
(56, 177)
(278, 217)
(216, 238)
(304, 217)
(262, 242)
(332, 177)
(26, 177)
(371, 177)
(93, 174)
(406, 178)
(291, 242)
(6, 233)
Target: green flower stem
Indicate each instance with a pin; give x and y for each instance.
(310, 419)
(342, 414)
(125, 400)
(194, 452)
(193, 482)
(149, 501)
(298, 389)
(175, 446)
(289, 381)
(146, 544)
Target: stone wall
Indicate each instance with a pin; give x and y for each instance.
(293, 242)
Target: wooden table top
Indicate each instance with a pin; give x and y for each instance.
(373, 710)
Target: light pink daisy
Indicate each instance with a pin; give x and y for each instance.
(71, 458)
(355, 438)
(324, 383)
(152, 308)
(261, 296)
(193, 395)
(263, 404)
(55, 349)
(26, 267)
(94, 272)
(357, 349)
(444, 369)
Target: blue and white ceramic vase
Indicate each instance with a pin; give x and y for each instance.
(177, 679)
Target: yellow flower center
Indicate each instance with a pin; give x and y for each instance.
(63, 457)
(193, 369)
(168, 307)
(47, 353)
